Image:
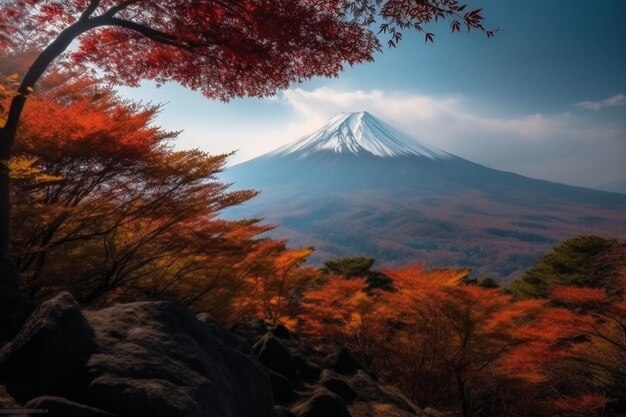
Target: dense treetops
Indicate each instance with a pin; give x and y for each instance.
(223, 48)
(582, 261)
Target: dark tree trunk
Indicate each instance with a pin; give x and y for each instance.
(13, 305)
(463, 397)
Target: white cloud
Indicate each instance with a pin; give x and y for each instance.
(529, 144)
(616, 100)
(440, 120)
(573, 148)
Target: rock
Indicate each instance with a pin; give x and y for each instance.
(281, 388)
(343, 362)
(274, 355)
(281, 332)
(57, 406)
(323, 404)
(252, 330)
(156, 359)
(229, 338)
(49, 353)
(307, 370)
(279, 411)
(338, 386)
(6, 400)
(369, 390)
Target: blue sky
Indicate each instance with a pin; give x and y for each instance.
(545, 98)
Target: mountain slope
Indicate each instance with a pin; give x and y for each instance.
(359, 186)
(358, 134)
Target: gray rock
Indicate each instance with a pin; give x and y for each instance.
(335, 384)
(226, 336)
(307, 370)
(274, 355)
(49, 353)
(369, 390)
(57, 406)
(281, 388)
(324, 404)
(343, 362)
(156, 359)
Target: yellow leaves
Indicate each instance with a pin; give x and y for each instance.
(8, 90)
(24, 168)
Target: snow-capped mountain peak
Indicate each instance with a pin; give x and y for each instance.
(360, 133)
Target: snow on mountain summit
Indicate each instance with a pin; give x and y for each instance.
(360, 133)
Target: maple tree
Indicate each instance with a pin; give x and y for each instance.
(450, 343)
(223, 48)
(97, 185)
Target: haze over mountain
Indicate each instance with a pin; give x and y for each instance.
(358, 186)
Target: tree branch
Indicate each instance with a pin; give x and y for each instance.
(116, 9)
(150, 33)
(93, 5)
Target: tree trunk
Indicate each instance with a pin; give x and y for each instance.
(13, 305)
(463, 397)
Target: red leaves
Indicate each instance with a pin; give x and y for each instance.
(589, 404)
(580, 295)
(231, 49)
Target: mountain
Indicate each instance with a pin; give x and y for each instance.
(358, 186)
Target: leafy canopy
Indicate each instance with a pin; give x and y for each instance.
(582, 261)
(223, 48)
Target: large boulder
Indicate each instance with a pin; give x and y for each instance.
(281, 388)
(308, 371)
(157, 359)
(368, 390)
(274, 355)
(343, 362)
(49, 353)
(225, 336)
(334, 383)
(323, 404)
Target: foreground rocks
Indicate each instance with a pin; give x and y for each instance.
(158, 359)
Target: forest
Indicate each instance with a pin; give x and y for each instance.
(97, 184)
(103, 205)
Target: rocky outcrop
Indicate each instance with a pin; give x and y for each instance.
(343, 362)
(137, 359)
(338, 386)
(159, 359)
(49, 354)
(273, 354)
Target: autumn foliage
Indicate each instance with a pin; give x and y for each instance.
(97, 185)
(109, 193)
(455, 345)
